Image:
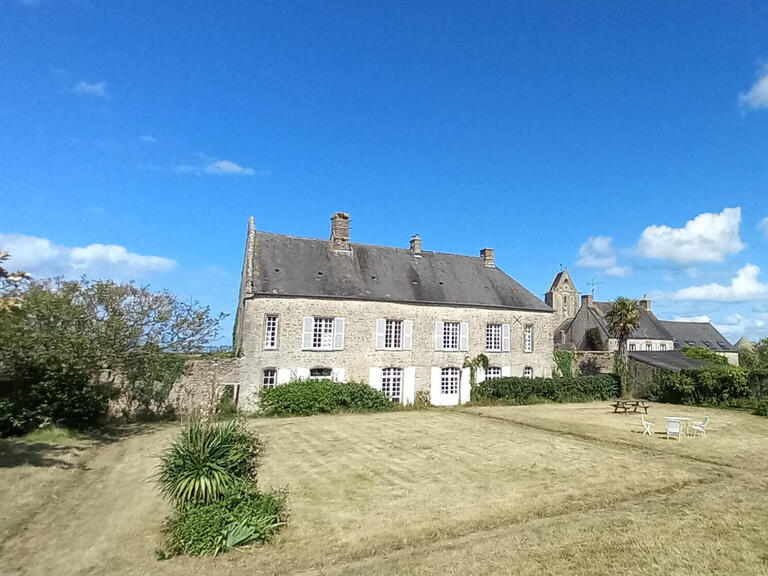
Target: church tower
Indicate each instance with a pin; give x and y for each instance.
(562, 296)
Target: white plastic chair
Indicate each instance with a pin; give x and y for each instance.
(646, 426)
(700, 427)
(674, 428)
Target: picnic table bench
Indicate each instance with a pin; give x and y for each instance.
(626, 405)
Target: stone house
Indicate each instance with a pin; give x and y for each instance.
(402, 320)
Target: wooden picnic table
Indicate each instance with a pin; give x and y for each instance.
(626, 405)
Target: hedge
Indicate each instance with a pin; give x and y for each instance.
(517, 390)
(722, 385)
(306, 397)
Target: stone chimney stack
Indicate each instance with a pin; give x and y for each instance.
(645, 302)
(586, 300)
(340, 232)
(488, 256)
(416, 245)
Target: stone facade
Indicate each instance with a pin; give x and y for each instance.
(359, 355)
(562, 296)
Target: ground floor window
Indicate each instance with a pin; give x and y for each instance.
(392, 383)
(449, 380)
(320, 373)
(270, 378)
(493, 372)
(527, 372)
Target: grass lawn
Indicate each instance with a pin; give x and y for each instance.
(546, 489)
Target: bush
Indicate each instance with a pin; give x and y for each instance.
(207, 462)
(243, 515)
(517, 390)
(721, 385)
(703, 353)
(306, 397)
(761, 409)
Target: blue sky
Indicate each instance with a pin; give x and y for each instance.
(624, 140)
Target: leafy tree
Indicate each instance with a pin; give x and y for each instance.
(479, 361)
(623, 318)
(703, 353)
(9, 282)
(755, 357)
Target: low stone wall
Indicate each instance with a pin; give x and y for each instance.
(603, 360)
(203, 381)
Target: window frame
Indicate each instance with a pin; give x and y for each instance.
(449, 336)
(496, 326)
(393, 377)
(450, 376)
(328, 376)
(528, 343)
(320, 336)
(273, 333)
(528, 372)
(265, 374)
(494, 368)
(396, 335)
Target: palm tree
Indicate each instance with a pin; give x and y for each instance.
(479, 361)
(623, 318)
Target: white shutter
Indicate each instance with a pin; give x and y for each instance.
(283, 375)
(409, 385)
(464, 337)
(434, 386)
(505, 337)
(338, 374)
(407, 334)
(374, 377)
(506, 371)
(302, 373)
(464, 385)
(438, 335)
(338, 333)
(480, 375)
(306, 334)
(381, 328)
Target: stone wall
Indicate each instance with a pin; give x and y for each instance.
(604, 360)
(203, 381)
(360, 354)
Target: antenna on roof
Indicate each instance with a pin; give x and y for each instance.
(593, 284)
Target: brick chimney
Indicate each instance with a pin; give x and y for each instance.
(416, 245)
(645, 302)
(340, 232)
(586, 300)
(488, 256)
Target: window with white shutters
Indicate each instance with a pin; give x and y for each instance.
(393, 334)
(450, 379)
(392, 383)
(528, 338)
(270, 332)
(320, 373)
(493, 338)
(451, 335)
(322, 333)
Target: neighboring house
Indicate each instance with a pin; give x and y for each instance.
(644, 365)
(701, 334)
(586, 327)
(403, 320)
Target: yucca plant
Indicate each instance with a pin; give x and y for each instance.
(206, 462)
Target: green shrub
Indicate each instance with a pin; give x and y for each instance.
(721, 384)
(306, 397)
(757, 380)
(517, 390)
(703, 353)
(761, 409)
(563, 363)
(206, 462)
(243, 515)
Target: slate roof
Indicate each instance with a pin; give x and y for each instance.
(291, 266)
(698, 334)
(673, 360)
(650, 327)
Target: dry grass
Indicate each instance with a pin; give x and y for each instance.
(549, 489)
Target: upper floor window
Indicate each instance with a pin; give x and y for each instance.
(663, 347)
(320, 373)
(528, 338)
(449, 380)
(723, 345)
(451, 335)
(527, 372)
(270, 331)
(632, 347)
(648, 347)
(394, 334)
(493, 337)
(493, 372)
(322, 333)
(269, 378)
(392, 383)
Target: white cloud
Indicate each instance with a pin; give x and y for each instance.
(764, 225)
(736, 326)
(691, 319)
(707, 238)
(744, 287)
(96, 89)
(42, 258)
(757, 95)
(149, 139)
(597, 252)
(208, 165)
